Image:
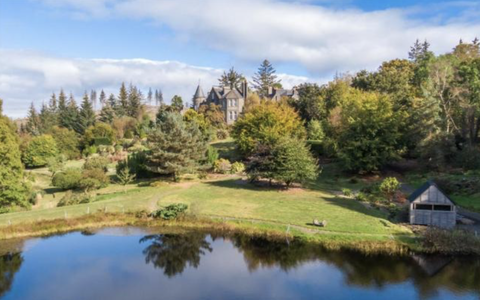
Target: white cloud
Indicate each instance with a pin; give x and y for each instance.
(31, 76)
(322, 39)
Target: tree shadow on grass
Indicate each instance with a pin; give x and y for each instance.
(356, 206)
(243, 184)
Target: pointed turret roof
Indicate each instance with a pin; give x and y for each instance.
(199, 93)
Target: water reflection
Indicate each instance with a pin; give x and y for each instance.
(10, 263)
(172, 252)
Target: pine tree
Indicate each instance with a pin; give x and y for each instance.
(149, 96)
(231, 79)
(160, 97)
(176, 147)
(69, 116)
(62, 107)
(107, 114)
(86, 116)
(93, 98)
(265, 78)
(122, 105)
(134, 108)
(47, 119)
(33, 125)
(103, 98)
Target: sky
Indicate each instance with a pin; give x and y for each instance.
(172, 45)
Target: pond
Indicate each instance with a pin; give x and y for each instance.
(135, 263)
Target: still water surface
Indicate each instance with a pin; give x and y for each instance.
(131, 263)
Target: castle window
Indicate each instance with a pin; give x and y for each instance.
(231, 115)
(236, 116)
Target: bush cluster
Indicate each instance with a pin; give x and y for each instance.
(170, 212)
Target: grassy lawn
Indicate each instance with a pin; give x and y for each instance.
(234, 199)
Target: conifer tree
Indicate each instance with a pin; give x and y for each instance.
(103, 98)
(47, 119)
(265, 78)
(149, 96)
(160, 97)
(33, 125)
(134, 108)
(176, 147)
(93, 98)
(107, 114)
(122, 104)
(86, 116)
(62, 105)
(69, 116)
(231, 79)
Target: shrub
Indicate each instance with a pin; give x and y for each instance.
(237, 167)
(137, 165)
(68, 179)
(93, 179)
(315, 131)
(170, 212)
(347, 192)
(389, 186)
(212, 155)
(222, 166)
(450, 242)
(222, 134)
(89, 151)
(39, 150)
(468, 158)
(99, 134)
(71, 198)
(98, 162)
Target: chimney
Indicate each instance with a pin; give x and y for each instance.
(270, 91)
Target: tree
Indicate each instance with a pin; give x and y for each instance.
(175, 147)
(213, 114)
(315, 131)
(33, 125)
(266, 124)
(107, 114)
(311, 103)
(93, 98)
(265, 78)
(177, 103)
(122, 103)
(66, 141)
(150, 96)
(99, 134)
(13, 189)
(194, 118)
(124, 176)
(103, 98)
(39, 150)
(86, 116)
(69, 115)
(135, 106)
(293, 162)
(369, 137)
(231, 79)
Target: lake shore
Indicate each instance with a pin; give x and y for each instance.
(369, 244)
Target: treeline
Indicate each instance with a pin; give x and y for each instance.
(426, 107)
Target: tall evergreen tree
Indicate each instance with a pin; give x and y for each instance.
(69, 116)
(86, 116)
(134, 108)
(62, 106)
(231, 79)
(122, 104)
(103, 98)
(93, 98)
(33, 125)
(150, 96)
(47, 119)
(160, 97)
(176, 147)
(265, 78)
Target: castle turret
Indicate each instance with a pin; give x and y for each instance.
(198, 98)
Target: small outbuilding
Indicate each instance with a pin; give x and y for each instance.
(432, 207)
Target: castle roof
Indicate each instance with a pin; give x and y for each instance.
(199, 93)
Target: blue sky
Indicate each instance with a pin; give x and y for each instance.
(91, 44)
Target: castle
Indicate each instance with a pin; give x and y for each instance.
(231, 100)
